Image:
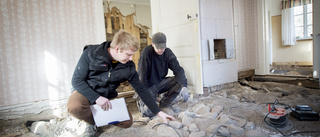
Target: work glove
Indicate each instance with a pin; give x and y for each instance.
(184, 94)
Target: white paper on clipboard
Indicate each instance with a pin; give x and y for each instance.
(118, 113)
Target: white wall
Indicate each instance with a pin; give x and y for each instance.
(41, 42)
(299, 53)
(216, 23)
(262, 40)
(143, 12)
(275, 7)
(217, 73)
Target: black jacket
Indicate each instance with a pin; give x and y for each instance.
(153, 68)
(96, 76)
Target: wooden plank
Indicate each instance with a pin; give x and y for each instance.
(121, 22)
(116, 23)
(246, 74)
(109, 23)
(126, 94)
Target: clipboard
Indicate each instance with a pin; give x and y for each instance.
(118, 113)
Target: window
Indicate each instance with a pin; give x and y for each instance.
(303, 21)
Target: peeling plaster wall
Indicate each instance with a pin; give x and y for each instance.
(143, 12)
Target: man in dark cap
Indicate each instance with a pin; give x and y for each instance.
(154, 63)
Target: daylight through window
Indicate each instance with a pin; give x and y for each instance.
(303, 21)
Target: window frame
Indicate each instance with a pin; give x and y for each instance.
(305, 23)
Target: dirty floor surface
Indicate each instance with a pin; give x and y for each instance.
(238, 111)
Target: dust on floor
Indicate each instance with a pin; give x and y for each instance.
(238, 111)
(292, 70)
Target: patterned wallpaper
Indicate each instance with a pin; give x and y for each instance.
(40, 44)
(246, 34)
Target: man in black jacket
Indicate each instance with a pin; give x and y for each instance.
(154, 62)
(100, 70)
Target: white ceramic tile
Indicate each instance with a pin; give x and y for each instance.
(230, 48)
(205, 9)
(203, 28)
(225, 12)
(215, 6)
(204, 50)
(211, 28)
(224, 28)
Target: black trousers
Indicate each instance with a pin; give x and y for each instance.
(168, 87)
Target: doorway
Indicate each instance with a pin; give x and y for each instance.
(289, 60)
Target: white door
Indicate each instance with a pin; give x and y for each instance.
(178, 20)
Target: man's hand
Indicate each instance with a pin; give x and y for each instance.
(184, 94)
(165, 116)
(104, 103)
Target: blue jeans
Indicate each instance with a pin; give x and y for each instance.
(169, 87)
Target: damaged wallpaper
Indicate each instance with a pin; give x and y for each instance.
(246, 34)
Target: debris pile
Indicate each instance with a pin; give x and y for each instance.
(236, 111)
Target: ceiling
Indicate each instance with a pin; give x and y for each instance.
(143, 2)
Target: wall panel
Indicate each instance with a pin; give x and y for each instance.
(41, 42)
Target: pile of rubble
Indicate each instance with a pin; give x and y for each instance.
(236, 111)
